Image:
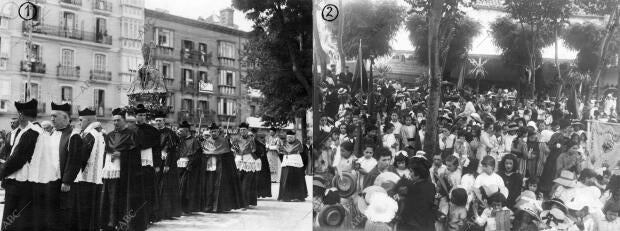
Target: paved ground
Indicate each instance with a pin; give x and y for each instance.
(269, 215)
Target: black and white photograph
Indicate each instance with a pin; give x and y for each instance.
(132, 115)
(466, 115)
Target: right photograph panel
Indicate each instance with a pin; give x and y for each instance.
(466, 115)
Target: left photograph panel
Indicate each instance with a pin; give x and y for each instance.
(156, 115)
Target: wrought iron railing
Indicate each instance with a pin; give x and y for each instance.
(72, 2)
(70, 32)
(227, 90)
(35, 67)
(101, 75)
(72, 72)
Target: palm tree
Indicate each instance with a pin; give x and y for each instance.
(478, 71)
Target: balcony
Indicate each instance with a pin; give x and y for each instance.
(188, 87)
(164, 52)
(102, 7)
(35, 67)
(226, 62)
(227, 90)
(72, 4)
(195, 57)
(99, 75)
(195, 116)
(169, 82)
(68, 72)
(71, 33)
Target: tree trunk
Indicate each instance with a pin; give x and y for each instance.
(459, 85)
(371, 91)
(299, 75)
(618, 94)
(304, 141)
(611, 28)
(557, 65)
(431, 140)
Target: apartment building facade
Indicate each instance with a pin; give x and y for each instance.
(85, 52)
(200, 64)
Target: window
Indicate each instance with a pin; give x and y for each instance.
(5, 95)
(35, 52)
(202, 48)
(226, 107)
(187, 105)
(188, 78)
(100, 27)
(203, 105)
(226, 50)
(164, 37)
(35, 93)
(100, 63)
(69, 22)
(131, 27)
(66, 94)
(252, 110)
(100, 102)
(188, 45)
(204, 84)
(130, 63)
(67, 58)
(166, 70)
(227, 78)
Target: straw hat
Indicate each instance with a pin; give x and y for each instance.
(567, 178)
(382, 208)
(529, 208)
(346, 184)
(331, 216)
(556, 218)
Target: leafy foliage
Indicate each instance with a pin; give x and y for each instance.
(460, 38)
(516, 41)
(586, 38)
(374, 22)
(279, 56)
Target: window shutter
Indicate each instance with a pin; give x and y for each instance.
(156, 36)
(234, 83)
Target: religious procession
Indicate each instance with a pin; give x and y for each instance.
(458, 132)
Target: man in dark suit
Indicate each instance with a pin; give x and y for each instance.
(9, 140)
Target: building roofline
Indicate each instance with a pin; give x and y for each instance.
(194, 23)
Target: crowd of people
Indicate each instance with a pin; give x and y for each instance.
(502, 163)
(72, 175)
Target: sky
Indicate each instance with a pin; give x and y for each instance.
(199, 8)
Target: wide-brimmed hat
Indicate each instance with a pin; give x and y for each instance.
(476, 117)
(556, 216)
(386, 177)
(567, 179)
(555, 201)
(346, 184)
(342, 91)
(381, 208)
(332, 216)
(529, 208)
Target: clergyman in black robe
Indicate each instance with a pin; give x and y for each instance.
(168, 179)
(263, 178)
(126, 202)
(150, 154)
(193, 178)
(292, 182)
(223, 183)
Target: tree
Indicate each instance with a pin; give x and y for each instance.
(521, 47)
(435, 11)
(457, 35)
(536, 22)
(375, 23)
(280, 47)
(601, 7)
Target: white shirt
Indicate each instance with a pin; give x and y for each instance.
(484, 180)
(367, 164)
(397, 127)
